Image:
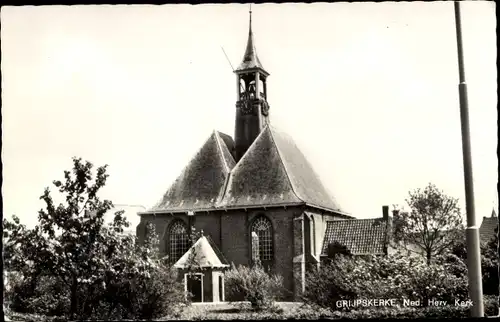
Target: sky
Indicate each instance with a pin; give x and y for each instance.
(369, 92)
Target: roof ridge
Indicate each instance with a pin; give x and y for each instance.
(230, 174)
(226, 166)
(220, 153)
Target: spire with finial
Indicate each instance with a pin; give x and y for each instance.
(250, 58)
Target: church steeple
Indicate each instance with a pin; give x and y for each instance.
(250, 58)
(252, 109)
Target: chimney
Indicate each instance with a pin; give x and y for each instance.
(385, 212)
(388, 229)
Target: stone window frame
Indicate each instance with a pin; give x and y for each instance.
(186, 240)
(312, 232)
(260, 216)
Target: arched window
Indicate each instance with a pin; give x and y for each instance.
(263, 242)
(179, 241)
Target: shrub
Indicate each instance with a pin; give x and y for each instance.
(51, 297)
(255, 285)
(18, 291)
(394, 276)
(155, 296)
(331, 282)
(124, 281)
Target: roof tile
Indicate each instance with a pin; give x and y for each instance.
(360, 236)
(202, 181)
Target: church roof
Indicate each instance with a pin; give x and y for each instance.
(250, 58)
(360, 236)
(202, 254)
(201, 183)
(272, 172)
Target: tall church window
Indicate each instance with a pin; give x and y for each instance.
(262, 243)
(255, 247)
(313, 235)
(179, 241)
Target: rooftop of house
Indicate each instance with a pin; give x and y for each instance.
(360, 236)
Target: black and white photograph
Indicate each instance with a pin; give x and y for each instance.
(250, 161)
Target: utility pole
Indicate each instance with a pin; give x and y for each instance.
(472, 231)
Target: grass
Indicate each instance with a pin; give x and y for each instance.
(242, 311)
(215, 311)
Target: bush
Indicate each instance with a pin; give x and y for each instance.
(330, 283)
(157, 296)
(126, 283)
(399, 312)
(44, 295)
(51, 297)
(255, 285)
(395, 276)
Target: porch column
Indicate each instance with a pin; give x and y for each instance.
(299, 263)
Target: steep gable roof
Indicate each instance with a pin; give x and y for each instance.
(203, 255)
(360, 236)
(305, 181)
(259, 177)
(273, 172)
(202, 181)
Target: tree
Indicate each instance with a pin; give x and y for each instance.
(490, 265)
(432, 225)
(78, 224)
(104, 272)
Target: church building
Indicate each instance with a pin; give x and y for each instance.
(255, 196)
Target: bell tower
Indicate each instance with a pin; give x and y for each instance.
(252, 109)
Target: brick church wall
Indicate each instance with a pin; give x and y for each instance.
(231, 233)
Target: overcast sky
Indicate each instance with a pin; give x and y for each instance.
(367, 90)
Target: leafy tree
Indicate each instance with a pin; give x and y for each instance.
(104, 272)
(432, 225)
(77, 224)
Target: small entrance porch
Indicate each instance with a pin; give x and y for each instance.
(202, 270)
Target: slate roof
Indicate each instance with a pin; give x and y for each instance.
(202, 182)
(204, 255)
(250, 58)
(487, 229)
(360, 236)
(272, 172)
